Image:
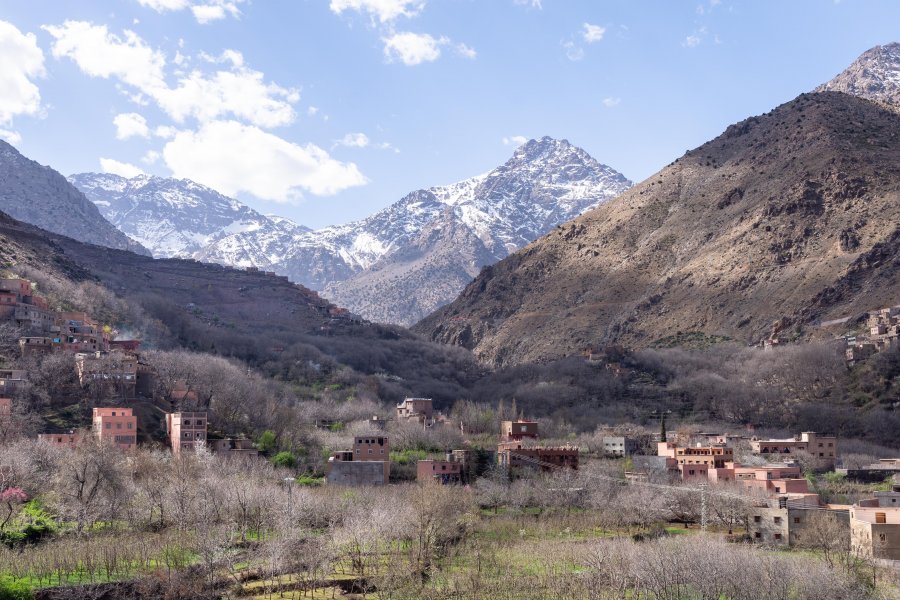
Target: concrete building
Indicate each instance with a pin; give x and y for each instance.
(514, 431)
(35, 346)
(233, 447)
(821, 447)
(18, 303)
(416, 409)
(117, 426)
(619, 446)
(80, 333)
(882, 500)
(514, 455)
(442, 471)
(875, 472)
(368, 463)
(186, 430)
(771, 479)
(784, 524)
(10, 381)
(875, 532)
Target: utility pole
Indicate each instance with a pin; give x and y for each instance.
(703, 506)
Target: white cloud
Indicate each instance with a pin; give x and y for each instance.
(592, 33)
(312, 111)
(130, 125)
(232, 157)
(383, 10)
(205, 11)
(466, 51)
(353, 140)
(691, 41)
(515, 140)
(165, 132)
(413, 48)
(109, 165)
(21, 61)
(12, 137)
(611, 102)
(151, 157)
(238, 91)
(529, 3)
(574, 52)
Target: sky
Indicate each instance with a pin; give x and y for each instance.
(325, 111)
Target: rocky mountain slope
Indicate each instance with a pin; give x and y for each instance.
(36, 194)
(475, 223)
(180, 218)
(395, 266)
(792, 216)
(875, 76)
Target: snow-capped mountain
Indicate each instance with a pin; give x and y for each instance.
(180, 218)
(454, 231)
(395, 266)
(875, 75)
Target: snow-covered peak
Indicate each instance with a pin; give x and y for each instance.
(875, 75)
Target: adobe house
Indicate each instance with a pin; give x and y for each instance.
(514, 431)
(821, 447)
(511, 455)
(35, 346)
(619, 446)
(418, 409)
(10, 381)
(443, 471)
(117, 426)
(714, 456)
(781, 522)
(875, 532)
(69, 439)
(186, 430)
(117, 368)
(233, 447)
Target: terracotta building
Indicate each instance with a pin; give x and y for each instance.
(416, 409)
(117, 370)
(186, 430)
(69, 439)
(117, 426)
(714, 456)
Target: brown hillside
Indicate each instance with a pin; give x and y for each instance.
(792, 216)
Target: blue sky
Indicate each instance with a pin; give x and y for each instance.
(327, 110)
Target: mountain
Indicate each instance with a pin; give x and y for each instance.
(180, 218)
(875, 76)
(790, 217)
(472, 224)
(395, 266)
(38, 195)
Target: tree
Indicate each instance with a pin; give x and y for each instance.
(825, 532)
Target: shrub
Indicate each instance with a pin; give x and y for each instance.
(284, 459)
(11, 589)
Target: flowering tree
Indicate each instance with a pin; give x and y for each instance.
(11, 498)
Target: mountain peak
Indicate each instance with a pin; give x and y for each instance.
(875, 76)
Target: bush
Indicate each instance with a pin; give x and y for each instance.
(284, 459)
(11, 589)
(266, 442)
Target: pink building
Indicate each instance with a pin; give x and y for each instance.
(186, 430)
(117, 426)
(821, 447)
(769, 480)
(373, 448)
(713, 456)
(416, 409)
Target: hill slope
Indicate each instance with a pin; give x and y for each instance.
(42, 197)
(875, 76)
(792, 216)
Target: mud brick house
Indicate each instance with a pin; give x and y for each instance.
(714, 456)
(443, 471)
(116, 369)
(875, 532)
(514, 455)
(821, 447)
(69, 439)
(514, 431)
(368, 463)
(416, 409)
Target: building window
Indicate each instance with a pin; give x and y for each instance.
(109, 425)
(777, 520)
(796, 519)
(757, 518)
(777, 536)
(880, 518)
(757, 535)
(130, 425)
(882, 537)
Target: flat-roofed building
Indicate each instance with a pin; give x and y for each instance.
(875, 532)
(513, 431)
(820, 447)
(187, 430)
(442, 471)
(117, 426)
(69, 439)
(416, 409)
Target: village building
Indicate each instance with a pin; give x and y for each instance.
(875, 532)
(368, 463)
(514, 455)
(186, 430)
(873, 473)
(69, 439)
(771, 479)
(820, 447)
(620, 446)
(18, 303)
(11, 380)
(783, 523)
(117, 370)
(443, 471)
(514, 431)
(233, 447)
(416, 409)
(117, 426)
(714, 456)
(35, 346)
